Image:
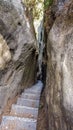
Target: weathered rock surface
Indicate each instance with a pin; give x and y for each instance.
(5, 55)
(59, 83)
(23, 117)
(19, 69)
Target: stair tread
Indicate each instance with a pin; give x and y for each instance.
(22, 111)
(17, 123)
(29, 103)
(35, 88)
(30, 96)
(32, 108)
(31, 100)
(32, 91)
(29, 93)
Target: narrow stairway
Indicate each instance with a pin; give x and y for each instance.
(24, 113)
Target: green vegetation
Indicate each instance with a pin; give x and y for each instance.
(37, 9)
(36, 6)
(47, 3)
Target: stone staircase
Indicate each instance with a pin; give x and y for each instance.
(24, 113)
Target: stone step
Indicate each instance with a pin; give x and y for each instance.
(23, 111)
(32, 91)
(28, 102)
(36, 87)
(23, 115)
(16, 123)
(30, 96)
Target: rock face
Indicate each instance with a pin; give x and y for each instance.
(5, 55)
(59, 82)
(19, 55)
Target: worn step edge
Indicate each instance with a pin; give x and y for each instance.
(4, 118)
(22, 111)
(30, 96)
(28, 100)
(26, 107)
(32, 91)
(36, 88)
(28, 103)
(31, 100)
(21, 123)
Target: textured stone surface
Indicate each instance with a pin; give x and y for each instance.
(15, 123)
(23, 111)
(16, 32)
(28, 102)
(22, 117)
(30, 96)
(34, 89)
(5, 55)
(38, 86)
(59, 83)
(3, 97)
(31, 91)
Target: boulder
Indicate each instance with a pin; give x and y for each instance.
(18, 51)
(59, 82)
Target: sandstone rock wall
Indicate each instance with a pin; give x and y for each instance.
(19, 70)
(59, 82)
(5, 55)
